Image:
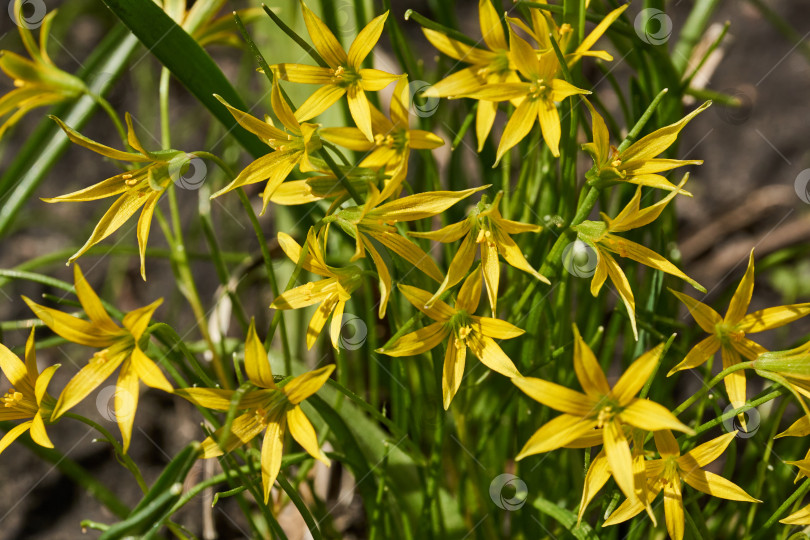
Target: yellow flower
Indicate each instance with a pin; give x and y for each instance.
(802, 516)
(485, 226)
(393, 139)
(376, 221)
(28, 396)
(538, 94)
(667, 473)
(119, 348)
(544, 29)
(599, 407)
(487, 66)
(332, 293)
(325, 185)
(270, 408)
(636, 164)
(138, 188)
(464, 331)
(38, 82)
(789, 368)
(600, 235)
(344, 74)
(729, 333)
(291, 147)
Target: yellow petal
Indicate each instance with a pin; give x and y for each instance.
(774, 317)
(650, 416)
(453, 371)
(549, 120)
(144, 224)
(320, 100)
(126, 401)
(323, 39)
(735, 382)
(457, 50)
(698, 354)
(137, 320)
(438, 311)
(591, 39)
(12, 434)
(801, 517)
(629, 509)
(273, 168)
(318, 320)
(38, 433)
(492, 272)
(257, 364)
(77, 138)
(106, 188)
(589, 372)
(484, 120)
(800, 428)
(448, 234)
(639, 253)
(597, 476)
(496, 328)
(673, 509)
(742, 296)
(469, 295)
(748, 348)
(511, 253)
(633, 379)
(307, 294)
(272, 450)
(706, 317)
(619, 458)
(383, 274)
(132, 137)
(709, 451)
(555, 433)
(619, 280)
(312, 263)
(41, 386)
(119, 212)
(210, 398)
(260, 128)
(555, 396)
(658, 165)
(13, 368)
(518, 126)
(366, 40)
(461, 83)
(304, 434)
(360, 110)
(656, 142)
(418, 342)
(716, 486)
(374, 80)
(347, 137)
(600, 151)
(148, 371)
(410, 252)
(422, 205)
(304, 74)
(243, 430)
(87, 379)
(491, 355)
(69, 327)
(424, 140)
(459, 266)
(303, 386)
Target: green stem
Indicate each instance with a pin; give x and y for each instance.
(703, 391)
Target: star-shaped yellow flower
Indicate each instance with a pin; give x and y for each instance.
(119, 347)
(636, 164)
(485, 227)
(599, 407)
(464, 330)
(393, 138)
(37, 82)
(344, 74)
(729, 333)
(376, 221)
(539, 93)
(667, 473)
(270, 408)
(601, 236)
(27, 399)
(492, 65)
(291, 148)
(331, 293)
(139, 188)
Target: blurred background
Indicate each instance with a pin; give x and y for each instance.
(753, 190)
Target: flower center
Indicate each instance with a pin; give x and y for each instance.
(345, 76)
(538, 90)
